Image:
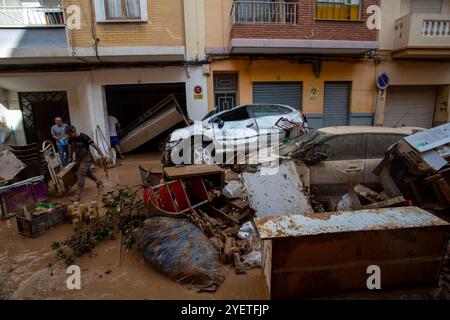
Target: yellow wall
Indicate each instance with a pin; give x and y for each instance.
(164, 27)
(362, 75)
(218, 23)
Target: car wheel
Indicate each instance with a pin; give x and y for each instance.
(202, 153)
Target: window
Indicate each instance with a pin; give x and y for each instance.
(265, 11)
(257, 111)
(338, 9)
(426, 6)
(225, 91)
(340, 147)
(120, 10)
(379, 143)
(236, 114)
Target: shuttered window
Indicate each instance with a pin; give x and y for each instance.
(338, 9)
(426, 6)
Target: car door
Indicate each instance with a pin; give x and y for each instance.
(344, 164)
(234, 130)
(377, 143)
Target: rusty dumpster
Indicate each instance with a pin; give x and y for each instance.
(327, 254)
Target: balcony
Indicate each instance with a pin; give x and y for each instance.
(31, 17)
(422, 36)
(263, 27)
(27, 33)
(260, 12)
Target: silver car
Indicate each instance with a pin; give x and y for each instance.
(341, 156)
(220, 134)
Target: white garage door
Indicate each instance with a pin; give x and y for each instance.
(410, 106)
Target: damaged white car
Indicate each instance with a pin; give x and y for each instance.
(220, 135)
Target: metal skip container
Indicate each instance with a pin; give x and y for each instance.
(326, 254)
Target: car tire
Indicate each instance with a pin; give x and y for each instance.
(202, 153)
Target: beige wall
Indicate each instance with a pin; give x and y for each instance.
(194, 26)
(416, 72)
(218, 23)
(164, 27)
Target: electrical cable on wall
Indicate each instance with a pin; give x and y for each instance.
(311, 22)
(94, 32)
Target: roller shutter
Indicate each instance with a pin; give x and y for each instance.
(288, 93)
(410, 106)
(426, 6)
(336, 104)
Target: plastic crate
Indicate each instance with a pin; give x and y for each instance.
(57, 216)
(34, 228)
(42, 223)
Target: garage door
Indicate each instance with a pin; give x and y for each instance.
(288, 93)
(336, 103)
(410, 106)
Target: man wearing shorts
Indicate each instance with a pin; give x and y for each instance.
(114, 126)
(79, 144)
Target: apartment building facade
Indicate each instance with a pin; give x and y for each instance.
(312, 55)
(122, 58)
(415, 54)
(321, 57)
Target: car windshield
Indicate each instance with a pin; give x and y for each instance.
(209, 114)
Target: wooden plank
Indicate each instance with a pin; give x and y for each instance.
(192, 171)
(221, 212)
(386, 203)
(368, 193)
(389, 185)
(238, 204)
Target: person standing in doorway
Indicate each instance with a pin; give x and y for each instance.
(58, 133)
(114, 127)
(79, 144)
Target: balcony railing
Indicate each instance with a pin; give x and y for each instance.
(260, 12)
(438, 28)
(31, 16)
(422, 30)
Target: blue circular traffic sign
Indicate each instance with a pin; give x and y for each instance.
(383, 81)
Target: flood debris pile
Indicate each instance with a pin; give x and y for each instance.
(212, 204)
(124, 212)
(417, 168)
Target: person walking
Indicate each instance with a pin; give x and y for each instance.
(58, 133)
(79, 144)
(114, 126)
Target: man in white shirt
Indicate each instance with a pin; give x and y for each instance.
(114, 125)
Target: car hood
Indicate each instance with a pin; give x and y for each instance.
(198, 128)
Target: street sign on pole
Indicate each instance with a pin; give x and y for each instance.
(383, 81)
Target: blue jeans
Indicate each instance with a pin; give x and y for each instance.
(62, 151)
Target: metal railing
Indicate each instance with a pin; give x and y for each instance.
(439, 28)
(31, 16)
(261, 12)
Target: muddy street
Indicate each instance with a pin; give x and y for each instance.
(25, 271)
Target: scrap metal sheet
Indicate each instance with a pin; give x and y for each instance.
(281, 193)
(347, 221)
